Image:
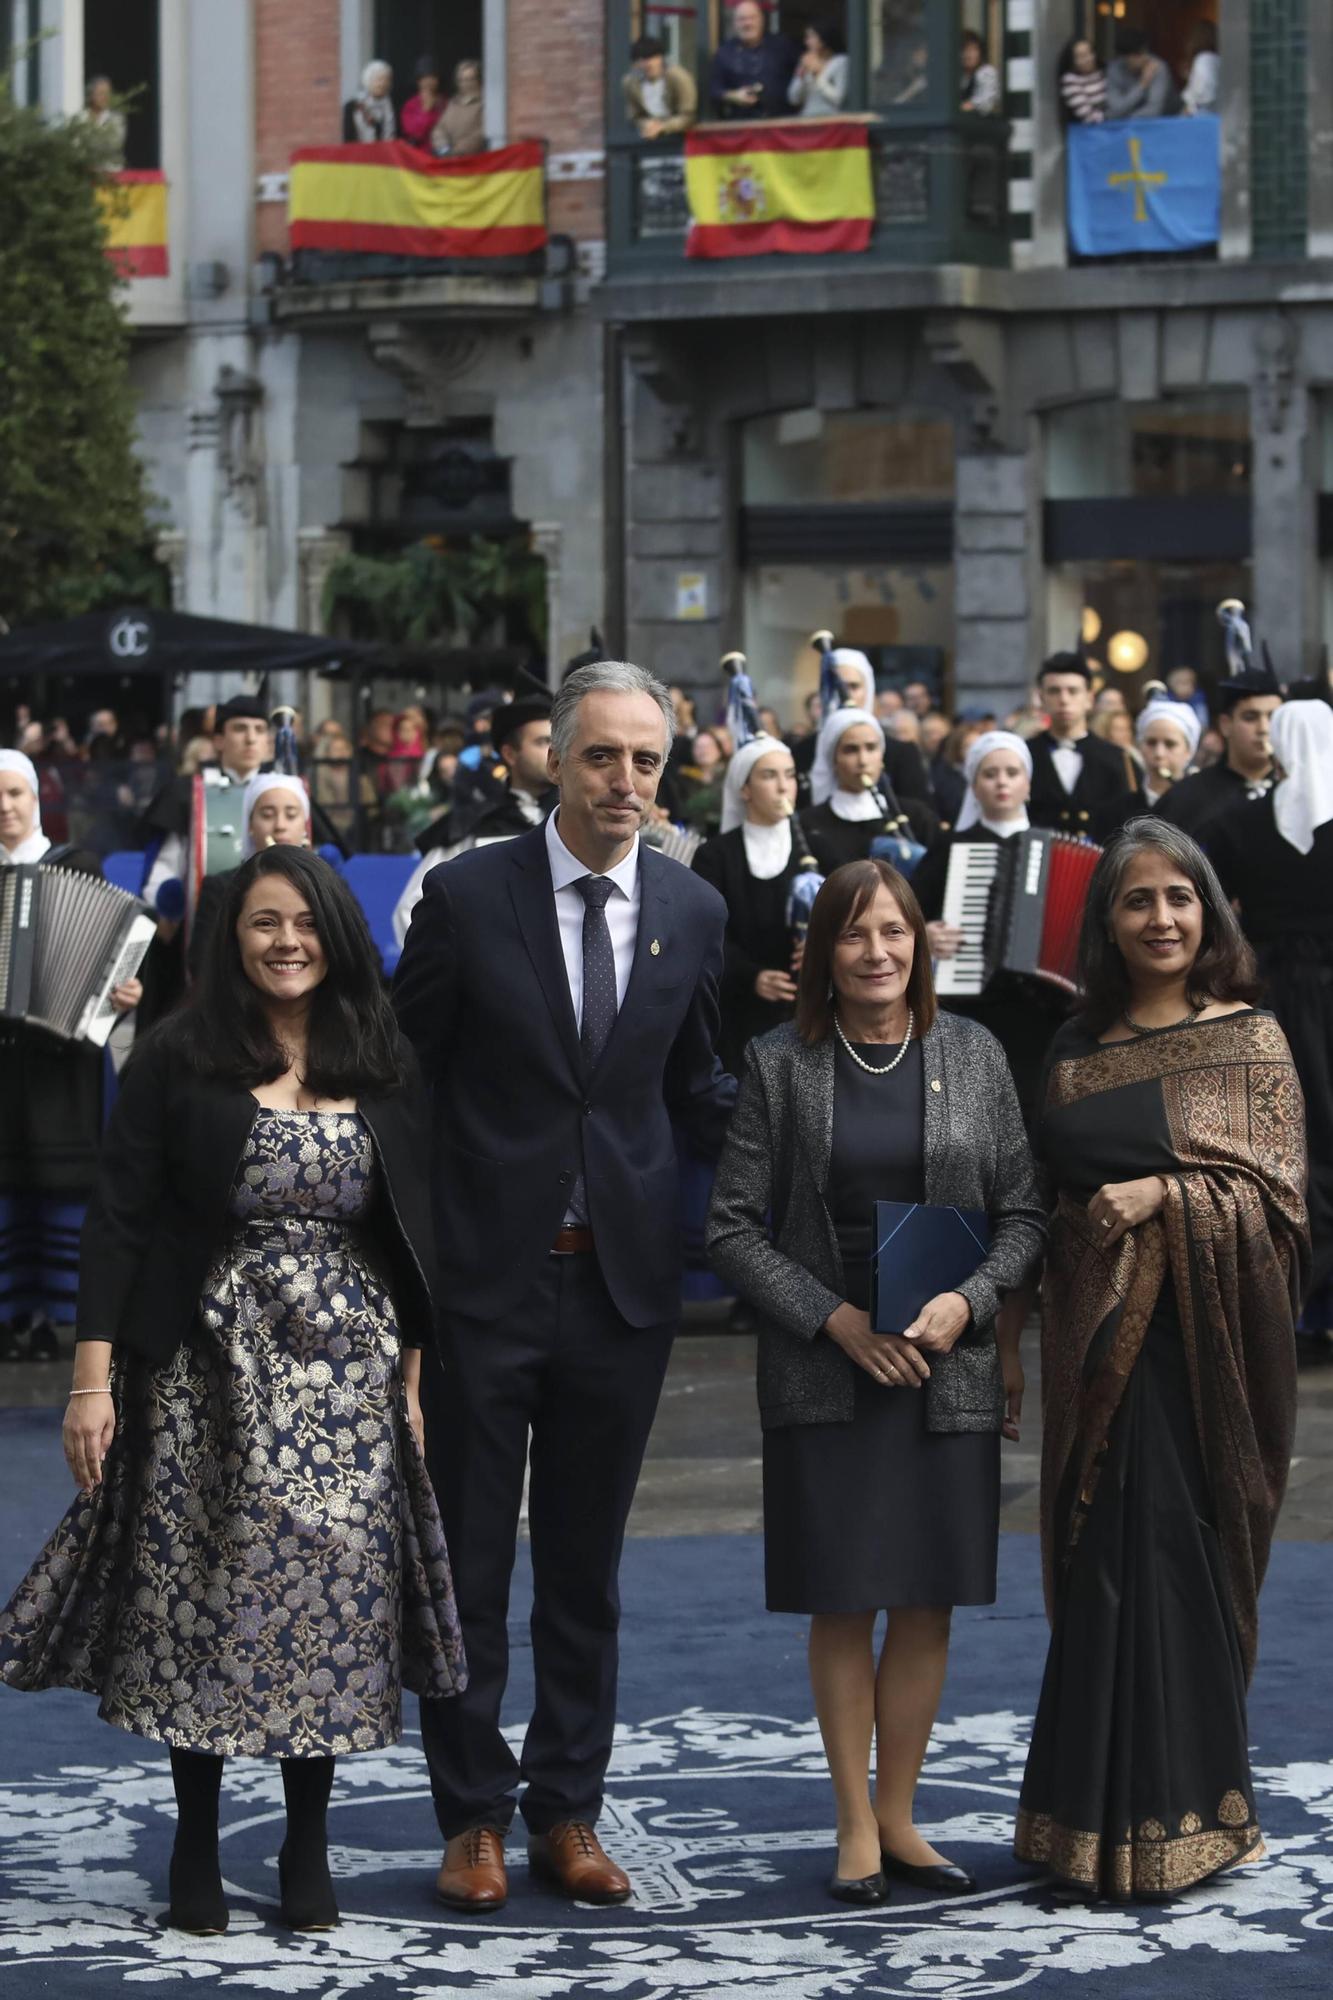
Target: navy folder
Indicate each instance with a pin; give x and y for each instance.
(919, 1252)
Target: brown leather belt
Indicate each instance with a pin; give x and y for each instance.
(572, 1243)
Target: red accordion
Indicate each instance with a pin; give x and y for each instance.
(1019, 906)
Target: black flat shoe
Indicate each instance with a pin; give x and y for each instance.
(869, 1890)
(946, 1878)
(308, 1902)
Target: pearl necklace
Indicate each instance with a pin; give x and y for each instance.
(870, 1068)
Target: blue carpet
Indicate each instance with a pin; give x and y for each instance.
(718, 1806)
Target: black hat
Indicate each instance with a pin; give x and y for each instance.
(241, 708)
(1066, 663)
(507, 722)
(1254, 680)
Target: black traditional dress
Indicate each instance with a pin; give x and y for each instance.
(880, 1512)
(1021, 1012)
(1286, 910)
(835, 840)
(1200, 803)
(758, 937)
(1168, 1400)
(262, 1569)
(50, 1130)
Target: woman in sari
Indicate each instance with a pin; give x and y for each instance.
(1172, 1133)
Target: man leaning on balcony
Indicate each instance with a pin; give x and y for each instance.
(1138, 83)
(752, 68)
(660, 97)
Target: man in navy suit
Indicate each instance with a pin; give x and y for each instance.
(561, 993)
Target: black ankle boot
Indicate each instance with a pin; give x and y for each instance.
(197, 1902)
(308, 1902)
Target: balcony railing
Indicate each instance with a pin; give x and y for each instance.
(940, 196)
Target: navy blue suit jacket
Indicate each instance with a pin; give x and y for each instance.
(482, 994)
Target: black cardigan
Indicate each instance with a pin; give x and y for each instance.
(158, 1215)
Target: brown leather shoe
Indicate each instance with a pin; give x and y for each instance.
(473, 1875)
(572, 1857)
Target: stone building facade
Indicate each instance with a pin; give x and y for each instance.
(962, 449)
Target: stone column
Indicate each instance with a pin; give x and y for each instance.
(675, 536)
(1283, 485)
(995, 575)
(1234, 37)
(1050, 32)
(547, 542)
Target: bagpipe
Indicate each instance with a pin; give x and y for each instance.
(744, 726)
(895, 842)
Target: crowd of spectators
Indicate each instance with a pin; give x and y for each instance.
(1138, 83)
(441, 125)
(378, 789)
(759, 73)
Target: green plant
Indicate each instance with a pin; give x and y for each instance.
(75, 526)
(437, 594)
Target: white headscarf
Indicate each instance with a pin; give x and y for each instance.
(848, 659)
(37, 844)
(1178, 713)
(823, 779)
(1302, 733)
(738, 772)
(269, 781)
(985, 746)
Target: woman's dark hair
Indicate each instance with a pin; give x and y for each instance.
(970, 39)
(1225, 967)
(646, 47)
(830, 34)
(352, 1040)
(847, 894)
(1203, 38)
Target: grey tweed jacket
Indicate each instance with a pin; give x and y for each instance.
(770, 1233)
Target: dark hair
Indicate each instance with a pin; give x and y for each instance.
(1203, 39)
(970, 39)
(352, 1042)
(1225, 967)
(427, 66)
(1131, 42)
(830, 34)
(846, 894)
(646, 46)
(1065, 663)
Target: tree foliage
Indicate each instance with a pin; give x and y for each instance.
(75, 527)
(438, 593)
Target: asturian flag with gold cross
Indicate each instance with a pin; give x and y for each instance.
(1137, 184)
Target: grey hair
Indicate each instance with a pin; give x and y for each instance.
(604, 677)
(1224, 968)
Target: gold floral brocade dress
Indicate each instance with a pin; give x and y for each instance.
(263, 1569)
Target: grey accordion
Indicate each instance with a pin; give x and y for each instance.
(66, 941)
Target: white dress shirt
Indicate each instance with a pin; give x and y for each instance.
(622, 912)
(856, 806)
(1068, 761)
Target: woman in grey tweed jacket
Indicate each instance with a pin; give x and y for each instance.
(881, 1451)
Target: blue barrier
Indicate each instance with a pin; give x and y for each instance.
(376, 880)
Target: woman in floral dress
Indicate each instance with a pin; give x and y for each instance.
(254, 1564)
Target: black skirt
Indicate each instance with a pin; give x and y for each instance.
(879, 1513)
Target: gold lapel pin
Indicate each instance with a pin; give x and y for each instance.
(935, 1083)
(655, 948)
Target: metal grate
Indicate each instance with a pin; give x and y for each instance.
(1279, 137)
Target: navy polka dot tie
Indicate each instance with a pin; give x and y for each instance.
(599, 969)
(600, 1004)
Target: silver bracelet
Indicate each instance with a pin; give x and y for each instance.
(92, 1392)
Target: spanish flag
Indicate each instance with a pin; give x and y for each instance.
(134, 211)
(801, 185)
(401, 202)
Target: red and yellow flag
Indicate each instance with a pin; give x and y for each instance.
(134, 210)
(397, 200)
(798, 185)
